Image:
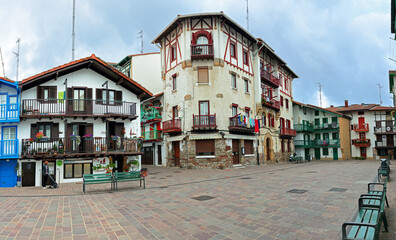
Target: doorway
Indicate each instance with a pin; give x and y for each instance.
(159, 152)
(363, 152)
(267, 145)
(148, 156)
(115, 129)
(176, 153)
(235, 151)
(79, 129)
(306, 153)
(335, 153)
(28, 174)
(317, 153)
(8, 174)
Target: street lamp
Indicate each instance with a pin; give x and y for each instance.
(107, 100)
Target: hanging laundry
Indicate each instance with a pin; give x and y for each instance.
(256, 127)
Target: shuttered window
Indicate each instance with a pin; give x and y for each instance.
(47, 93)
(249, 147)
(203, 75)
(112, 96)
(205, 147)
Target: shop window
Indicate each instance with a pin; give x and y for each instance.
(77, 170)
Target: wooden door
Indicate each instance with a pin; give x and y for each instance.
(361, 121)
(335, 153)
(176, 153)
(317, 153)
(147, 158)
(363, 152)
(389, 141)
(306, 154)
(28, 174)
(235, 151)
(268, 150)
(159, 152)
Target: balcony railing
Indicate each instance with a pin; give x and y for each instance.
(317, 143)
(67, 146)
(173, 125)
(236, 124)
(9, 149)
(202, 51)
(385, 144)
(303, 128)
(153, 135)
(270, 103)
(269, 78)
(86, 107)
(9, 113)
(361, 142)
(361, 128)
(151, 115)
(287, 132)
(204, 122)
(385, 127)
(327, 127)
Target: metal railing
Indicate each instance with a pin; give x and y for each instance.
(270, 103)
(385, 144)
(42, 107)
(204, 121)
(269, 78)
(173, 125)
(202, 51)
(317, 143)
(303, 128)
(152, 135)
(150, 115)
(326, 127)
(361, 128)
(361, 142)
(237, 123)
(287, 132)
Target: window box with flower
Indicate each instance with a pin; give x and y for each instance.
(87, 137)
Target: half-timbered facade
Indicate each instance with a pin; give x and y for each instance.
(80, 116)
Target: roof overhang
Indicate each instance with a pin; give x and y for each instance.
(9, 82)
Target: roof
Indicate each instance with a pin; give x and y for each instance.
(159, 94)
(9, 82)
(94, 63)
(175, 22)
(127, 58)
(382, 108)
(272, 51)
(353, 107)
(319, 108)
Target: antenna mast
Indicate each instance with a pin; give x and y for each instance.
(73, 33)
(247, 14)
(320, 93)
(141, 43)
(379, 88)
(17, 55)
(2, 62)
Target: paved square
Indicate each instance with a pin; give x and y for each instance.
(257, 208)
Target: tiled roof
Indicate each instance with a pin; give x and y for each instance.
(316, 107)
(354, 107)
(382, 108)
(92, 57)
(6, 79)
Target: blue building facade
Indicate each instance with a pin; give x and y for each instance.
(9, 121)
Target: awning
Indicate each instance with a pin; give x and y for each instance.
(237, 136)
(175, 138)
(205, 136)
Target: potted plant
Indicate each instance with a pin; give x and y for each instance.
(87, 137)
(39, 136)
(134, 165)
(29, 142)
(76, 138)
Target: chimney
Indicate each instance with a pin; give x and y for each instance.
(331, 106)
(346, 103)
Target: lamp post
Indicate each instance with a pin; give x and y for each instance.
(107, 100)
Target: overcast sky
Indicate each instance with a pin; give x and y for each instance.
(343, 44)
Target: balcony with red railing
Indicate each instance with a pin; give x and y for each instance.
(204, 122)
(361, 127)
(202, 51)
(170, 126)
(361, 142)
(267, 77)
(239, 125)
(287, 132)
(270, 103)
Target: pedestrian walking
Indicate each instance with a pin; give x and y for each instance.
(45, 174)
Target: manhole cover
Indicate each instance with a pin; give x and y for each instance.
(299, 191)
(338, 190)
(202, 198)
(246, 178)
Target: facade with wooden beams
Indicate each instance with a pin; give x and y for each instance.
(80, 116)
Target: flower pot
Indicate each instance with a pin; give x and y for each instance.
(88, 138)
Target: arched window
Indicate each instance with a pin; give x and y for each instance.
(202, 40)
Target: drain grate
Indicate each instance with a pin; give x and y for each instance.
(271, 173)
(246, 178)
(338, 190)
(202, 198)
(163, 187)
(298, 191)
(311, 172)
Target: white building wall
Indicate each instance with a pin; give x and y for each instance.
(146, 70)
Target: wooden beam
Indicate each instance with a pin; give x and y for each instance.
(119, 81)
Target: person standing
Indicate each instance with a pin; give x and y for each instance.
(45, 174)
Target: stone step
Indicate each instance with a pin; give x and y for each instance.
(238, 166)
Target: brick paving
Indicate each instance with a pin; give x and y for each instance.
(250, 203)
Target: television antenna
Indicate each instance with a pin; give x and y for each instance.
(17, 55)
(141, 40)
(379, 88)
(247, 15)
(73, 33)
(2, 62)
(320, 93)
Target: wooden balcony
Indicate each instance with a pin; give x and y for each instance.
(9, 149)
(238, 126)
(9, 112)
(303, 128)
(171, 126)
(152, 136)
(327, 127)
(360, 128)
(287, 133)
(79, 147)
(270, 103)
(317, 143)
(361, 142)
(40, 108)
(268, 78)
(204, 122)
(385, 127)
(202, 51)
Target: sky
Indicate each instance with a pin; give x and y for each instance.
(343, 44)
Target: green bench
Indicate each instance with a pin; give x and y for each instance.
(376, 192)
(383, 172)
(97, 179)
(129, 176)
(297, 159)
(367, 223)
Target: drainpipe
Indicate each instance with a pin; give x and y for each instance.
(257, 148)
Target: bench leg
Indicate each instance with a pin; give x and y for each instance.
(84, 188)
(144, 183)
(386, 199)
(385, 222)
(140, 182)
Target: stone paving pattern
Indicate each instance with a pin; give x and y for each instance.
(249, 203)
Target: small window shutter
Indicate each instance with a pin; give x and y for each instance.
(249, 146)
(55, 130)
(205, 146)
(118, 97)
(33, 130)
(52, 94)
(89, 101)
(99, 97)
(203, 75)
(39, 93)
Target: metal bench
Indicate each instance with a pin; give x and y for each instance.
(129, 176)
(97, 179)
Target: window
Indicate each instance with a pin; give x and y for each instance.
(234, 109)
(45, 129)
(249, 147)
(175, 112)
(325, 151)
(246, 85)
(205, 147)
(79, 99)
(334, 119)
(173, 53)
(49, 129)
(174, 84)
(111, 97)
(281, 101)
(360, 113)
(9, 133)
(263, 120)
(316, 112)
(324, 120)
(245, 57)
(247, 112)
(317, 121)
(287, 103)
(288, 124)
(47, 93)
(261, 64)
(233, 50)
(286, 83)
(77, 170)
(203, 75)
(233, 80)
(3, 99)
(204, 108)
(202, 40)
